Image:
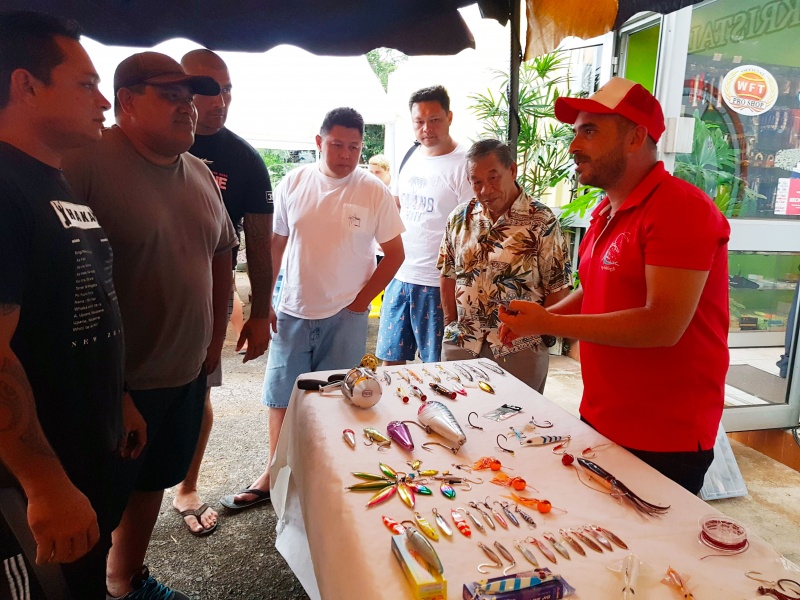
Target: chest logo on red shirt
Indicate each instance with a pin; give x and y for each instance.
(613, 253)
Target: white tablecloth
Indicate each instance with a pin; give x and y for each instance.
(338, 548)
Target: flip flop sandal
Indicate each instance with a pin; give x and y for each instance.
(228, 501)
(197, 513)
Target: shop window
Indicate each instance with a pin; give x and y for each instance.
(742, 86)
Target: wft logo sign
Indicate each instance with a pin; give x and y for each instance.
(74, 215)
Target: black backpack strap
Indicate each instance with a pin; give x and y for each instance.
(407, 156)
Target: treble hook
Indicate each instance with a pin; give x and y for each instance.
(543, 425)
(426, 444)
(499, 445)
(469, 421)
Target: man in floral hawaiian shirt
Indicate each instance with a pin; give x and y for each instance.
(500, 246)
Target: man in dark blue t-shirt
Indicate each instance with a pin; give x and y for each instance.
(62, 429)
(246, 190)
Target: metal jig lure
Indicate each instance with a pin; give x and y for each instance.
(610, 535)
(586, 540)
(485, 387)
(565, 537)
(526, 553)
(497, 516)
(507, 555)
(507, 510)
(442, 523)
(525, 517)
(599, 537)
(350, 438)
(559, 548)
(425, 526)
(544, 549)
(478, 525)
(497, 564)
(486, 516)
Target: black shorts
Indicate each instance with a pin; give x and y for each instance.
(173, 417)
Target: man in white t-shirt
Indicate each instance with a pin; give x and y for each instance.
(328, 216)
(431, 183)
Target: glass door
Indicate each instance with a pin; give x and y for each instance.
(735, 86)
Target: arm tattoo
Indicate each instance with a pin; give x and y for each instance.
(18, 410)
(258, 247)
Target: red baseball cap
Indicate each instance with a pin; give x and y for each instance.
(617, 97)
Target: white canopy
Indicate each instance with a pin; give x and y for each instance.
(279, 97)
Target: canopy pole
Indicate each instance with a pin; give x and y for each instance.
(513, 77)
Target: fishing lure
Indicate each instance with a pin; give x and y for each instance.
(393, 525)
(543, 506)
(463, 372)
(480, 373)
(425, 527)
(448, 491)
(398, 432)
(526, 553)
(507, 555)
(586, 540)
(414, 375)
(486, 516)
(403, 376)
(517, 483)
(378, 484)
(442, 391)
(628, 567)
(544, 440)
(565, 537)
(485, 387)
(520, 436)
(401, 393)
(433, 376)
(559, 548)
(487, 462)
(406, 493)
(420, 489)
(544, 549)
(440, 521)
(491, 366)
(418, 393)
(525, 517)
(438, 418)
(674, 579)
(497, 564)
(478, 525)
(420, 544)
(461, 523)
(606, 479)
(373, 436)
(350, 438)
(599, 537)
(610, 535)
(387, 470)
(497, 516)
(509, 514)
(368, 476)
(382, 496)
(387, 378)
(453, 376)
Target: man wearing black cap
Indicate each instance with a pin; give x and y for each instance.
(172, 238)
(652, 309)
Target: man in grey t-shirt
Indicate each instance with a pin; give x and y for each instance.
(172, 239)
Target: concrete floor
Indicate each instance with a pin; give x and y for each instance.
(772, 507)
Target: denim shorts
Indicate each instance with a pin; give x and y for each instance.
(411, 319)
(307, 345)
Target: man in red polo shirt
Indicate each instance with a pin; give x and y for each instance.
(652, 309)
